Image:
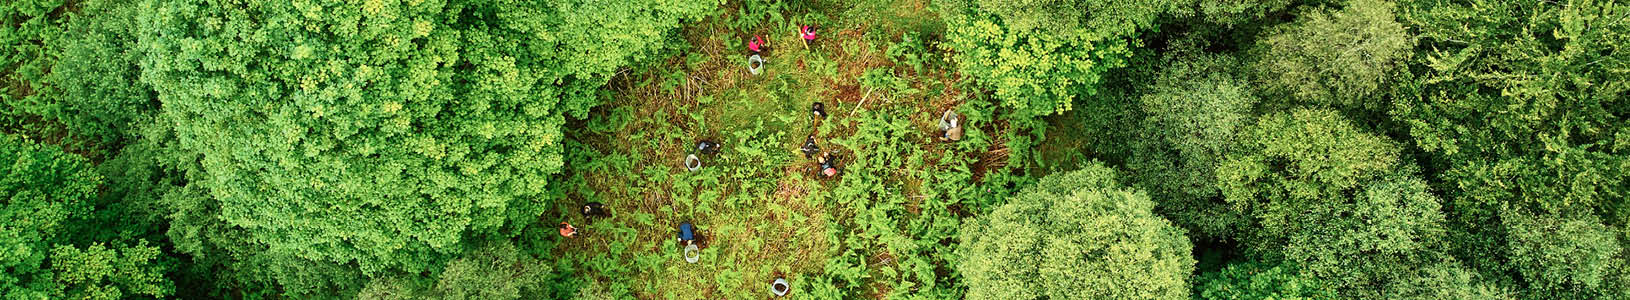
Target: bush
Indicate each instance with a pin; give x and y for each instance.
(1075, 235)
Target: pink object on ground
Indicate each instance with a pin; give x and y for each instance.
(755, 44)
(808, 32)
(830, 172)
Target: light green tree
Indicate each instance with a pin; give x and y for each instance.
(1038, 56)
(1342, 57)
(1336, 201)
(329, 142)
(1075, 235)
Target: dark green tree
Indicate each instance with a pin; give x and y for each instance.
(1038, 56)
(43, 193)
(1523, 118)
(1075, 235)
(1195, 110)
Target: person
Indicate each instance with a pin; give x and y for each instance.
(829, 165)
(808, 33)
(595, 209)
(567, 230)
(819, 110)
(687, 234)
(810, 148)
(953, 134)
(757, 45)
(949, 129)
(707, 147)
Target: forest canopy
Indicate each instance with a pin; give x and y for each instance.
(829, 149)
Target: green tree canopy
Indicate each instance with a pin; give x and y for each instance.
(41, 187)
(1340, 57)
(1256, 280)
(43, 193)
(1236, 12)
(326, 142)
(1333, 199)
(1522, 107)
(90, 84)
(1075, 235)
(1197, 110)
(1037, 56)
(1573, 257)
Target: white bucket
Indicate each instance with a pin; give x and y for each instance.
(780, 287)
(692, 163)
(692, 254)
(755, 64)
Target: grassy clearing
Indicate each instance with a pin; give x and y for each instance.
(762, 212)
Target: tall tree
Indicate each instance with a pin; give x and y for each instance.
(1075, 235)
(1521, 111)
(1038, 56)
(43, 191)
(1342, 57)
(327, 142)
(1336, 201)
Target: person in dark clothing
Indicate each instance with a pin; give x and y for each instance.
(687, 234)
(829, 165)
(707, 147)
(818, 109)
(595, 209)
(810, 148)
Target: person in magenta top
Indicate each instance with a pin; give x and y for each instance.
(756, 44)
(808, 32)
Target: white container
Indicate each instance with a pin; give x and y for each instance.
(780, 287)
(755, 64)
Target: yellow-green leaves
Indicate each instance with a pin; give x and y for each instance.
(1075, 235)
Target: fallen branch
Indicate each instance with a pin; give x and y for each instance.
(862, 104)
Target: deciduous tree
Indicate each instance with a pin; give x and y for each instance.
(338, 140)
(1342, 57)
(1075, 235)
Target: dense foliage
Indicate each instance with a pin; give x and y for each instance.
(1076, 235)
(45, 196)
(1038, 56)
(428, 149)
